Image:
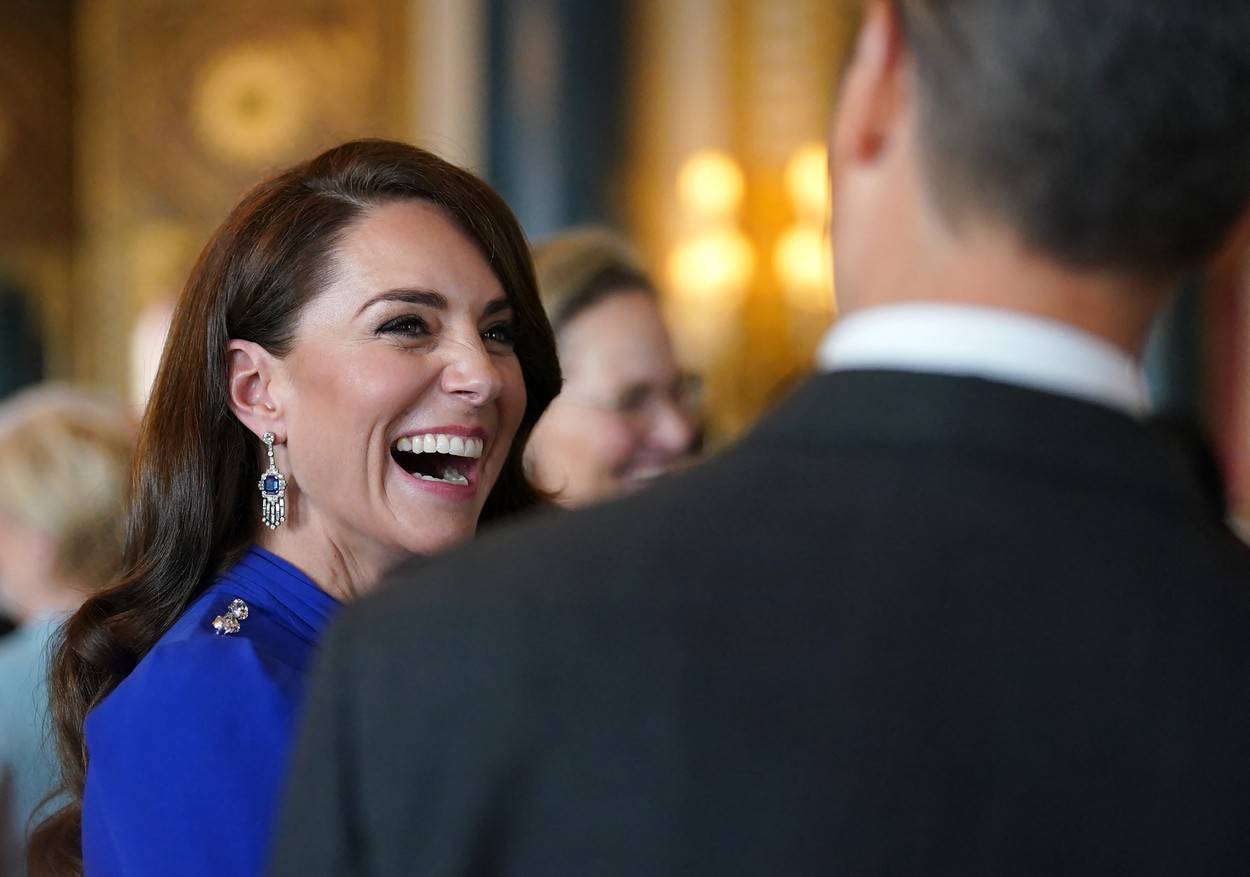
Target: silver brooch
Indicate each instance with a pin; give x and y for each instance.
(229, 623)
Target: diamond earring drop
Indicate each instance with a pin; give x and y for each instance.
(272, 490)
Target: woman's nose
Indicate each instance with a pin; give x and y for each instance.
(471, 374)
(672, 428)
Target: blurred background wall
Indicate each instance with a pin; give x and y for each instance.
(129, 127)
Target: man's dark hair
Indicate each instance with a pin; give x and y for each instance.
(1110, 134)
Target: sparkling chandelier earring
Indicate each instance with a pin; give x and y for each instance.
(272, 490)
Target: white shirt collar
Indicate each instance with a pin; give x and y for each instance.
(997, 345)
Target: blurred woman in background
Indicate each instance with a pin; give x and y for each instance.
(349, 380)
(626, 413)
(64, 459)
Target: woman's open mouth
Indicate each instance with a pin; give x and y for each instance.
(439, 457)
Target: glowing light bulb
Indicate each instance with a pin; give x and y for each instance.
(710, 184)
(807, 181)
(804, 264)
(712, 268)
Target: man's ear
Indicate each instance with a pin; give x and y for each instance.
(255, 376)
(874, 89)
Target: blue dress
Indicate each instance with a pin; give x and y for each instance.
(186, 757)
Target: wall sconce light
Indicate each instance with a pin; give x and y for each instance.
(712, 265)
(709, 269)
(802, 256)
(807, 182)
(710, 186)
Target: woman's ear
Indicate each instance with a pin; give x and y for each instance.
(253, 374)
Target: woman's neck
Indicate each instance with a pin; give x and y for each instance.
(344, 570)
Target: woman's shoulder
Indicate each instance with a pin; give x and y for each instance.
(193, 741)
(227, 620)
(248, 669)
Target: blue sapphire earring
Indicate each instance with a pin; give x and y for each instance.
(272, 490)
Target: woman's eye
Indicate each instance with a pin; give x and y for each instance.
(634, 399)
(501, 333)
(406, 325)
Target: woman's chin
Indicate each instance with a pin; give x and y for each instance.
(437, 533)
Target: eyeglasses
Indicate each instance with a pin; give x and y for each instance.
(641, 403)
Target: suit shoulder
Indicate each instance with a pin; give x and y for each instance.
(551, 553)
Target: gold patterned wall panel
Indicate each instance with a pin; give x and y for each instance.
(787, 57)
(183, 106)
(738, 94)
(36, 136)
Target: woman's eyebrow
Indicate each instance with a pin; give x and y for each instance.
(425, 297)
(497, 305)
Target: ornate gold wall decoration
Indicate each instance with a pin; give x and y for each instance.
(36, 130)
(4, 135)
(157, 254)
(754, 80)
(250, 104)
(184, 106)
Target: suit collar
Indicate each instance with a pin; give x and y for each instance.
(1029, 429)
(999, 345)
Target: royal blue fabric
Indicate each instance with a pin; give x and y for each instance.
(187, 755)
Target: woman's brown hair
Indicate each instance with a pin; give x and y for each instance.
(192, 508)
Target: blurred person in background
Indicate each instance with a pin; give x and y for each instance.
(954, 607)
(349, 379)
(625, 414)
(64, 460)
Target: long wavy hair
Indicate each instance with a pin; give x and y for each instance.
(191, 512)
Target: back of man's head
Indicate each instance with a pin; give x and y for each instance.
(1109, 134)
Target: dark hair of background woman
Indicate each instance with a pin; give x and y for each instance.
(193, 508)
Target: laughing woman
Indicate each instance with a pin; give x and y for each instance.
(351, 375)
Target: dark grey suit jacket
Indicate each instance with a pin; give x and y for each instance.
(910, 625)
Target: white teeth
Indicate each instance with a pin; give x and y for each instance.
(450, 476)
(431, 443)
